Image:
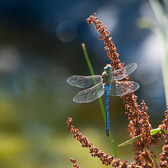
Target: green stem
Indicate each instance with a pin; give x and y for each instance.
(100, 100)
(87, 59)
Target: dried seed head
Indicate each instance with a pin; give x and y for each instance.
(105, 158)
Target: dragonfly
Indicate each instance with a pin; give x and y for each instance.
(110, 82)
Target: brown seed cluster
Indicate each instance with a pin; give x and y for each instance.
(105, 158)
(139, 125)
(164, 129)
(145, 135)
(145, 157)
(109, 45)
(137, 114)
(138, 120)
(133, 113)
(74, 163)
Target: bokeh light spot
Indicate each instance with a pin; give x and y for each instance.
(153, 91)
(153, 48)
(147, 73)
(67, 31)
(9, 58)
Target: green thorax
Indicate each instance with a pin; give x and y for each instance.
(107, 74)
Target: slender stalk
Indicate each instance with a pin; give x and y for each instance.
(87, 59)
(100, 99)
(165, 70)
(112, 144)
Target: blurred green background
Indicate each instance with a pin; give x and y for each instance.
(40, 46)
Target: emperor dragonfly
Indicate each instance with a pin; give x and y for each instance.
(109, 82)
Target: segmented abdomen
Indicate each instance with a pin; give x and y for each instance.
(107, 88)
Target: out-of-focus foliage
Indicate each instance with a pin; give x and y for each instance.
(160, 12)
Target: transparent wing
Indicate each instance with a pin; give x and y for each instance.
(84, 81)
(123, 88)
(122, 73)
(90, 94)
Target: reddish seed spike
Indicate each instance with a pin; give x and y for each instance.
(107, 33)
(101, 38)
(138, 117)
(98, 22)
(73, 160)
(108, 53)
(104, 27)
(94, 151)
(106, 48)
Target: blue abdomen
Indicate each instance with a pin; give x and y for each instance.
(107, 89)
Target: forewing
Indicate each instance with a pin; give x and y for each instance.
(90, 94)
(84, 81)
(122, 73)
(123, 88)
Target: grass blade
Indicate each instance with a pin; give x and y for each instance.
(153, 132)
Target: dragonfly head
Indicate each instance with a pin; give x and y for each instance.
(108, 67)
(107, 74)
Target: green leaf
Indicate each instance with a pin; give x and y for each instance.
(153, 132)
(129, 141)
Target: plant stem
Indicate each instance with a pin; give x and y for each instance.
(100, 100)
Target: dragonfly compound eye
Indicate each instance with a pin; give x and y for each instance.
(108, 67)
